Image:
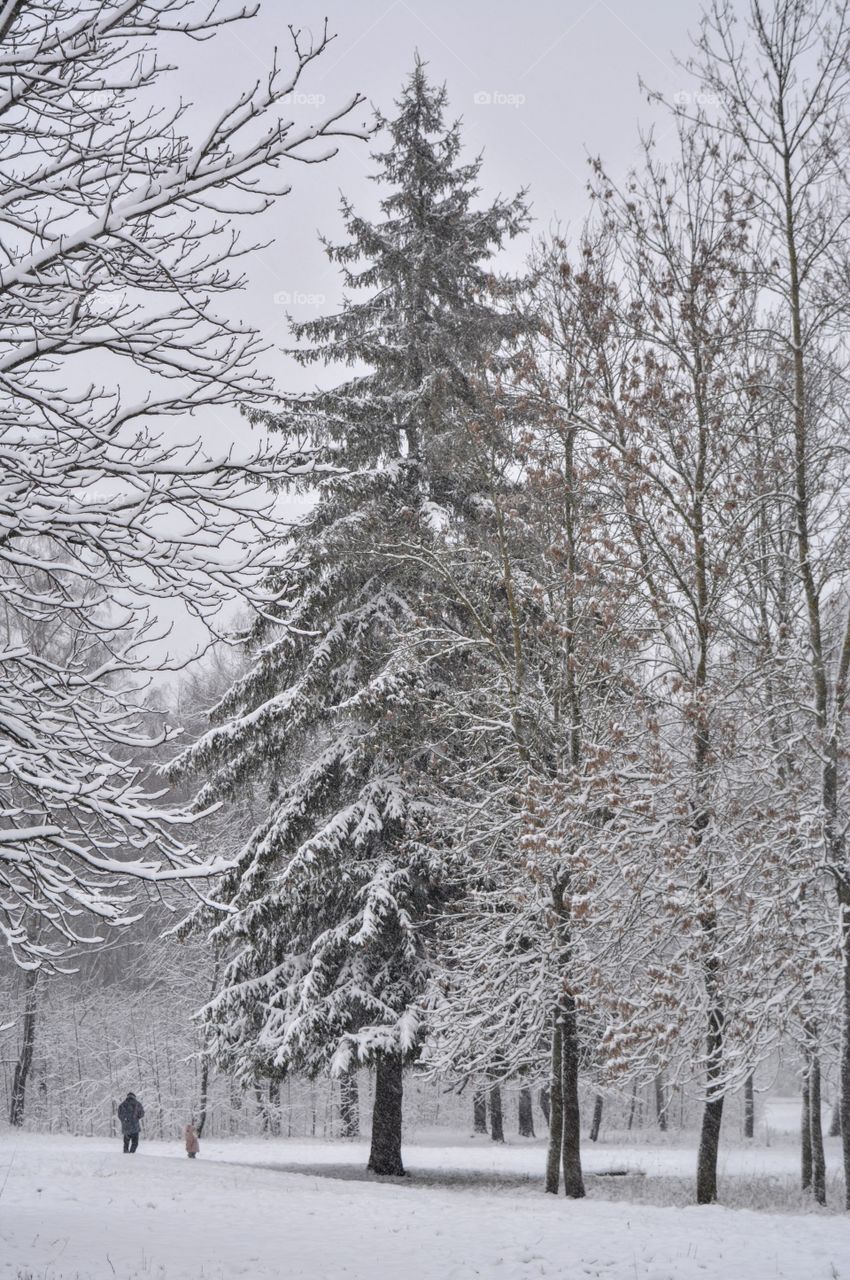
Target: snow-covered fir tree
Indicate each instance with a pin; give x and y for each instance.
(332, 905)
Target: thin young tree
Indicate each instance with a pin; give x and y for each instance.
(782, 89)
(540, 711)
(23, 1064)
(679, 422)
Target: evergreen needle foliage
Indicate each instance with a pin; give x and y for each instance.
(333, 901)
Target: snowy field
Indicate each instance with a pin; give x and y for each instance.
(78, 1209)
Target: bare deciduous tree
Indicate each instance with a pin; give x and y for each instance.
(782, 93)
(116, 235)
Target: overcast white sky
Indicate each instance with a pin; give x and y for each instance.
(562, 76)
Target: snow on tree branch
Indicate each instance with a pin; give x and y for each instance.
(119, 234)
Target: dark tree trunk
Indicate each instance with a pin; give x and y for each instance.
(24, 1063)
(497, 1128)
(815, 1125)
(596, 1122)
(274, 1106)
(844, 1075)
(349, 1106)
(205, 1067)
(385, 1155)
(571, 1148)
(712, 1116)
(660, 1103)
(262, 1106)
(205, 1089)
(543, 1101)
(632, 1107)
(556, 1116)
(749, 1107)
(801, 346)
(806, 1137)
(479, 1111)
(709, 1145)
(526, 1113)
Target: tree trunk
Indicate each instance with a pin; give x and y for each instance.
(818, 1161)
(497, 1128)
(543, 1101)
(385, 1155)
(235, 1104)
(749, 1108)
(818, 650)
(526, 1113)
(24, 1063)
(205, 1086)
(349, 1106)
(844, 1077)
(556, 1116)
(274, 1106)
(571, 1146)
(709, 1145)
(597, 1118)
(806, 1137)
(262, 1108)
(712, 1115)
(479, 1111)
(632, 1106)
(660, 1103)
(205, 1066)
(835, 1120)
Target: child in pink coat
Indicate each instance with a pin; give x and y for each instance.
(193, 1146)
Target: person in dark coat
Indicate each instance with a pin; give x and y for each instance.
(130, 1113)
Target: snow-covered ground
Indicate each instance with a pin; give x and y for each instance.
(78, 1209)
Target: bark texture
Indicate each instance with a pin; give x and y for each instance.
(571, 1146)
(749, 1108)
(385, 1154)
(709, 1144)
(596, 1122)
(844, 1081)
(274, 1107)
(479, 1111)
(497, 1128)
(816, 1129)
(660, 1103)
(526, 1113)
(632, 1108)
(349, 1106)
(205, 1087)
(805, 1139)
(556, 1117)
(24, 1063)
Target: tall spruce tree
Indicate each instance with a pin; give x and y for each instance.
(332, 902)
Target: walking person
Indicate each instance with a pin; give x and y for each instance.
(193, 1146)
(130, 1113)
